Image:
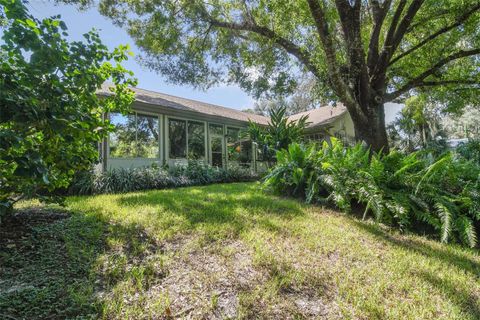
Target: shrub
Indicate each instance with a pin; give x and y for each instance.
(411, 192)
(470, 150)
(51, 116)
(278, 135)
(146, 178)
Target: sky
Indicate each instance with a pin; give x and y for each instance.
(80, 22)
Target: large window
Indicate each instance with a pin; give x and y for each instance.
(239, 148)
(186, 139)
(122, 141)
(135, 135)
(177, 135)
(147, 136)
(196, 140)
(216, 145)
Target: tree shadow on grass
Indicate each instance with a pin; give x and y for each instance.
(443, 254)
(49, 260)
(469, 302)
(59, 264)
(217, 205)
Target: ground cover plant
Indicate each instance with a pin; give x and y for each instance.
(147, 178)
(410, 191)
(224, 251)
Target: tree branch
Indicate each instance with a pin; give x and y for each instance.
(282, 42)
(447, 82)
(379, 14)
(457, 23)
(393, 26)
(379, 71)
(358, 73)
(404, 24)
(339, 86)
(418, 81)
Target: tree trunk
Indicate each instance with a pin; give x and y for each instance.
(370, 127)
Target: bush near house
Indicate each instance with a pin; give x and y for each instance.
(278, 135)
(51, 116)
(148, 178)
(412, 192)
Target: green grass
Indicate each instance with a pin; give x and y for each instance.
(228, 251)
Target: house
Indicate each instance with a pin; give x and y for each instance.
(164, 129)
(328, 121)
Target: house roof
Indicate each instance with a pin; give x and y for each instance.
(321, 116)
(165, 100)
(316, 117)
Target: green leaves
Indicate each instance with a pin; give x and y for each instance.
(278, 135)
(50, 110)
(406, 191)
(446, 220)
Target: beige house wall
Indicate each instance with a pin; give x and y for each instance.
(342, 126)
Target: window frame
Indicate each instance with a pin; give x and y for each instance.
(167, 138)
(135, 114)
(252, 160)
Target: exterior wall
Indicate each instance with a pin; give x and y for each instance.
(341, 127)
(128, 163)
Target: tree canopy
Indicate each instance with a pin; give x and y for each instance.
(362, 53)
(303, 99)
(51, 116)
(419, 126)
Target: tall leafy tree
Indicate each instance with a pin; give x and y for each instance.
(51, 116)
(363, 53)
(419, 126)
(303, 99)
(463, 125)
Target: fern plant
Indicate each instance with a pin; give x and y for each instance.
(414, 191)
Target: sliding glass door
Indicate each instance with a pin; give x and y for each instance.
(216, 145)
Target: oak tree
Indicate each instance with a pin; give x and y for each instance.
(363, 53)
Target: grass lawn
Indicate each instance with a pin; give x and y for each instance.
(224, 251)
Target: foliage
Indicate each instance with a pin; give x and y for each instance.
(470, 150)
(51, 116)
(279, 133)
(303, 99)
(361, 53)
(146, 178)
(463, 124)
(419, 126)
(411, 192)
